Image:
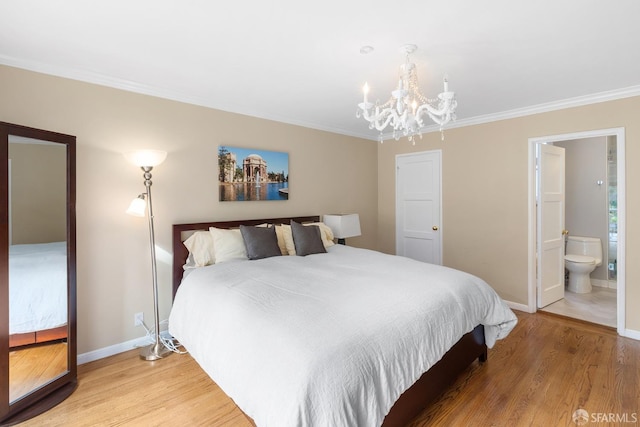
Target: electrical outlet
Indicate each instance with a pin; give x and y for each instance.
(138, 318)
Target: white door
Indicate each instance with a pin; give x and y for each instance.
(418, 206)
(550, 224)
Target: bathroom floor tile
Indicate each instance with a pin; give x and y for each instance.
(598, 306)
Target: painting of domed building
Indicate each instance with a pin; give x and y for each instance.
(252, 175)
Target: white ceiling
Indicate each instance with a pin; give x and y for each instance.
(299, 62)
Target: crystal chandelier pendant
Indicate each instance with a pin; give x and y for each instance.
(405, 110)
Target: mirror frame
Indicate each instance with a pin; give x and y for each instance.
(54, 392)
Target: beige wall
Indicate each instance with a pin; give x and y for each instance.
(329, 173)
(485, 178)
(485, 185)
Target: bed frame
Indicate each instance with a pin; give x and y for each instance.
(417, 397)
(38, 337)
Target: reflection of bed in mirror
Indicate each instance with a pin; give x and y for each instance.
(38, 293)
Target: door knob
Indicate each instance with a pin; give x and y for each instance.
(565, 232)
(434, 228)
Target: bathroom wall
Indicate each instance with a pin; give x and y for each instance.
(587, 211)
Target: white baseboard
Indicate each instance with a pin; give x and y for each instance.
(141, 342)
(518, 306)
(112, 349)
(630, 333)
(610, 284)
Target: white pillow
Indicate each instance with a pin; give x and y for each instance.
(200, 246)
(228, 244)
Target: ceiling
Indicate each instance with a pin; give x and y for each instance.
(299, 62)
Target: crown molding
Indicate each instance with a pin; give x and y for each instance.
(578, 101)
(93, 77)
(89, 76)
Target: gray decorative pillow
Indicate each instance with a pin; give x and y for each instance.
(307, 239)
(260, 242)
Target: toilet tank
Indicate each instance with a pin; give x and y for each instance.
(587, 246)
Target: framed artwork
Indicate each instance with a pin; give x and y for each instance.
(251, 175)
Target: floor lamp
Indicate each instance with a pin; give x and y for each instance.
(146, 160)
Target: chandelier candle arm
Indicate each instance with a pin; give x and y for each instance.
(378, 119)
(446, 100)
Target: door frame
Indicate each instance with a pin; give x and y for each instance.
(619, 133)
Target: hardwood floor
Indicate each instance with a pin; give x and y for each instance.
(546, 369)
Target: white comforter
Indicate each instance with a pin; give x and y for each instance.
(328, 339)
(37, 286)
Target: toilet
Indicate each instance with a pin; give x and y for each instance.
(582, 256)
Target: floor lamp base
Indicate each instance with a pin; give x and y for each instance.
(154, 352)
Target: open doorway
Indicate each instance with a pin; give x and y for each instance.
(610, 186)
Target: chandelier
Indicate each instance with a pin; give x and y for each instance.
(405, 111)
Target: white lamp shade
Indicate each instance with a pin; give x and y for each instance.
(137, 207)
(343, 226)
(148, 158)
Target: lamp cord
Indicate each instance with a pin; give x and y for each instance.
(169, 342)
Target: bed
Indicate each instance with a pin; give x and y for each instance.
(37, 293)
(335, 338)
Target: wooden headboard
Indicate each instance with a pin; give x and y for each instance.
(180, 232)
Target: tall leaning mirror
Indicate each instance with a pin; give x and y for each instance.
(37, 271)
